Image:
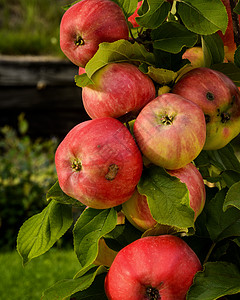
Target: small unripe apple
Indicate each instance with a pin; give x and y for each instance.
(152, 268)
(99, 163)
(119, 88)
(170, 131)
(219, 99)
(88, 23)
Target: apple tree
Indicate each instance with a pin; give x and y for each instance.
(134, 60)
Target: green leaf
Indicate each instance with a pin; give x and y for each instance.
(221, 224)
(172, 37)
(155, 14)
(161, 76)
(203, 16)
(67, 287)
(230, 177)
(237, 8)
(39, 233)
(216, 280)
(94, 292)
(168, 198)
(82, 80)
(229, 69)
(213, 49)
(55, 193)
(128, 7)
(237, 57)
(119, 51)
(89, 228)
(233, 197)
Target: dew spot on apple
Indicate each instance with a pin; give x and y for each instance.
(210, 96)
(112, 172)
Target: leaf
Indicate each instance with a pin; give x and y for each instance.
(237, 57)
(229, 69)
(94, 292)
(216, 280)
(221, 224)
(168, 198)
(154, 15)
(161, 76)
(203, 16)
(67, 287)
(82, 80)
(233, 197)
(237, 8)
(89, 228)
(213, 49)
(119, 51)
(172, 37)
(230, 177)
(55, 193)
(39, 233)
(128, 7)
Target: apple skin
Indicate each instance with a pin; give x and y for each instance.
(170, 131)
(99, 163)
(118, 88)
(219, 98)
(228, 38)
(137, 211)
(132, 19)
(195, 56)
(153, 267)
(88, 23)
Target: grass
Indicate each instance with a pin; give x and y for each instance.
(30, 26)
(28, 283)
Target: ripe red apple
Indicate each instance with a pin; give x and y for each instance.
(137, 211)
(98, 163)
(88, 23)
(118, 88)
(170, 131)
(228, 38)
(154, 268)
(219, 98)
(132, 19)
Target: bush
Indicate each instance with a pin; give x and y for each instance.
(27, 171)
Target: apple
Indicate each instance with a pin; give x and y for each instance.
(219, 98)
(170, 131)
(228, 37)
(137, 211)
(132, 19)
(99, 163)
(118, 88)
(88, 23)
(195, 56)
(154, 268)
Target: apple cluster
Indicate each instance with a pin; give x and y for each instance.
(100, 161)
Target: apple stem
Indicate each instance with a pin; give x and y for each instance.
(152, 293)
(209, 252)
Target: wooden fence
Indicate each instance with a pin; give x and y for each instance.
(44, 89)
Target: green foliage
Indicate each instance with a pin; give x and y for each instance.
(27, 171)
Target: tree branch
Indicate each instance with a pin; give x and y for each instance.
(235, 21)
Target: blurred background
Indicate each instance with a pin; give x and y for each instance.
(39, 104)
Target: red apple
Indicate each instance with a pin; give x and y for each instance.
(98, 163)
(228, 38)
(170, 131)
(88, 23)
(137, 211)
(132, 19)
(154, 268)
(219, 98)
(118, 88)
